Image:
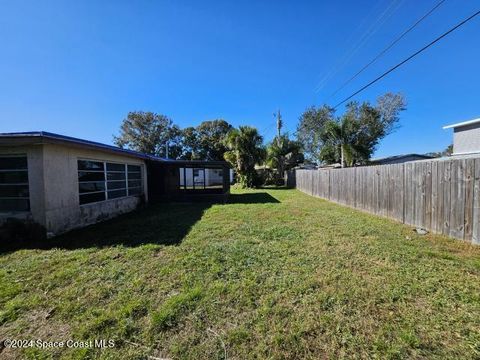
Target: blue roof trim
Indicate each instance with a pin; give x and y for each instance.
(68, 139)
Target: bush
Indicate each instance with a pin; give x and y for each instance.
(269, 177)
(16, 233)
(250, 180)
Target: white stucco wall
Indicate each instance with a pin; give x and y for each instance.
(53, 182)
(466, 139)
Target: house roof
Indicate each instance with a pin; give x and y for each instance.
(469, 122)
(195, 163)
(44, 137)
(399, 157)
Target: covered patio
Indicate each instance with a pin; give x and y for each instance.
(188, 180)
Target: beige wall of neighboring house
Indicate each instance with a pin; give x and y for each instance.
(53, 181)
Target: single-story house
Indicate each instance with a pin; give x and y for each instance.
(63, 182)
(398, 159)
(466, 137)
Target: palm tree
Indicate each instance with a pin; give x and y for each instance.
(283, 154)
(245, 150)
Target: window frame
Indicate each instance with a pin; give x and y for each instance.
(23, 184)
(105, 181)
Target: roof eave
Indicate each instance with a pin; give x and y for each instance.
(40, 138)
(460, 124)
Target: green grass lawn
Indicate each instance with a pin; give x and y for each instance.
(273, 274)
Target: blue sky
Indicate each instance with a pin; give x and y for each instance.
(78, 67)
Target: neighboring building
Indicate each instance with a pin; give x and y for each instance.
(306, 166)
(398, 159)
(63, 183)
(466, 137)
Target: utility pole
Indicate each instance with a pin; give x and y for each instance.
(279, 125)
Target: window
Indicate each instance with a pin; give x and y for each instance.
(116, 181)
(91, 181)
(134, 179)
(100, 181)
(14, 191)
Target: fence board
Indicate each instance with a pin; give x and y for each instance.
(446, 198)
(427, 216)
(476, 204)
(409, 194)
(434, 197)
(398, 192)
(469, 176)
(419, 207)
(457, 208)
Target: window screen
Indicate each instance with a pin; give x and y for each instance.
(134, 179)
(201, 178)
(100, 181)
(91, 181)
(14, 190)
(116, 180)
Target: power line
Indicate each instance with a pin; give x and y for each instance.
(268, 128)
(409, 58)
(371, 30)
(392, 44)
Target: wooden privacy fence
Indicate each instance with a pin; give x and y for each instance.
(440, 195)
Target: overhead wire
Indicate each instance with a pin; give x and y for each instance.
(391, 9)
(463, 22)
(392, 44)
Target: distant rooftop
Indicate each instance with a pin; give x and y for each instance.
(469, 122)
(400, 157)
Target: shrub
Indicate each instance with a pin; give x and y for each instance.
(268, 176)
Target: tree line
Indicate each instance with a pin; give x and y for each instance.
(322, 137)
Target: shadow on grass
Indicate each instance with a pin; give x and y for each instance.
(162, 224)
(273, 187)
(165, 224)
(253, 198)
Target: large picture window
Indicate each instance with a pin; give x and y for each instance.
(100, 181)
(14, 191)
